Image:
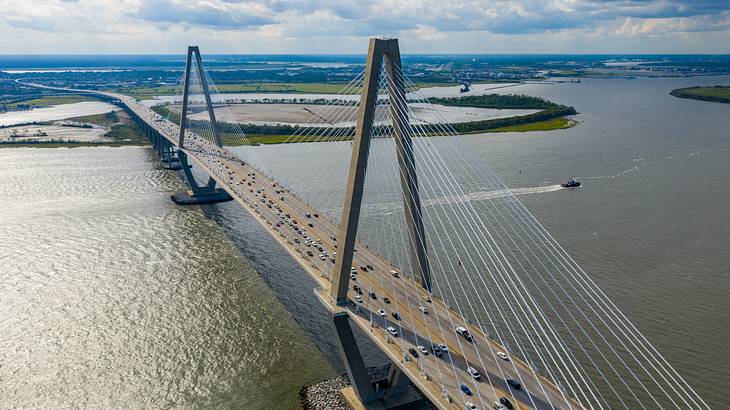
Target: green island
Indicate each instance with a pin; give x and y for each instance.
(717, 93)
(550, 117)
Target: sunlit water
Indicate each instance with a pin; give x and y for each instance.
(111, 294)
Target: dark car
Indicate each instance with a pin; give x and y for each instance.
(413, 352)
(386, 300)
(395, 315)
(465, 389)
(373, 295)
(514, 384)
(505, 401)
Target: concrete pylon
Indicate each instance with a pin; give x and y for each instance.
(199, 194)
(380, 51)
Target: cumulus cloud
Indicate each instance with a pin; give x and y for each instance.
(419, 20)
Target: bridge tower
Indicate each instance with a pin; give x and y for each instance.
(198, 194)
(383, 54)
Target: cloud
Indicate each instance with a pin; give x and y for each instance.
(422, 21)
(208, 13)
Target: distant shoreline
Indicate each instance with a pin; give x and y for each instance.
(717, 93)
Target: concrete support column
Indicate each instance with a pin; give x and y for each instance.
(350, 353)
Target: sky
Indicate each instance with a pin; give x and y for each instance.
(343, 26)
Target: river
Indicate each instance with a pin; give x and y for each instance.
(111, 293)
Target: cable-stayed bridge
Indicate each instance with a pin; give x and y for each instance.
(416, 242)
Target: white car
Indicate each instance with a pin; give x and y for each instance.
(382, 313)
(322, 257)
(443, 347)
(423, 349)
(497, 405)
(394, 273)
(474, 373)
(359, 299)
(392, 331)
(423, 309)
(471, 406)
(503, 355)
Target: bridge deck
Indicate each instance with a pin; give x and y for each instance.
(257, 193)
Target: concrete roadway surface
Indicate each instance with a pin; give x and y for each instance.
(259, 194)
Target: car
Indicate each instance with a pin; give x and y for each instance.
(394, 273)
(395, 315)
(392, 331)
(355, 288)
(308, 215)
(352, 277)
(465, 389)
(369, 267)
(373, 295)
(413, 352)
(353, 270)
(359, 299)
(423, 349)
(423, 309)
(463, 332)
(514, 384)
(386, 300)
(470, 406)
(316, 215)
(505, 401)
(497, 406)
(503, 356)
(427, 298)
(322, 257)
(309, 253)
(443, 347)
(311, 225)
(382, 313)
(474, 373)
(436, 351)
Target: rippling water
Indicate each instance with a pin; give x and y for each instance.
(114, 297)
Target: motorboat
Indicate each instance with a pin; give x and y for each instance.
(570, 184)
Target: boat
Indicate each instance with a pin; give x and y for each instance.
(570, 184)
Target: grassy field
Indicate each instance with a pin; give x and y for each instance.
(548, 125)
(303, 88)
(52, 100)
(310, 88)
(717, 93)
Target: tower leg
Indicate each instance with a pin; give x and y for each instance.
(198, 194)
(350, 353)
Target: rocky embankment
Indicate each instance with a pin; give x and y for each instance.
(325, 395)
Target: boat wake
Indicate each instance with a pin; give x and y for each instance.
(487, 195)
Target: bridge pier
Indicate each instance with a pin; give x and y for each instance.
(198, 194)
(393, 392)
